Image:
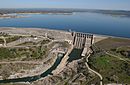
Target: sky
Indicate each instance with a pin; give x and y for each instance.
(85, 4)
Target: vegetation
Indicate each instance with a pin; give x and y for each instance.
(111, 43)
(45, 42)
(4, 34)
(10, 68)
(113, 69)
(39, 52)
(22, 53)
(123, 51)
(7, 53)
(1, 41)
(12, 38)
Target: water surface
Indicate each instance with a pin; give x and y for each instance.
(82, 22)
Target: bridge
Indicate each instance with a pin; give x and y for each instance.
(82, 41)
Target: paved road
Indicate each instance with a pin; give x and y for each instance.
(21, 62)
(98, 74)
(117, 57)
(23, 40)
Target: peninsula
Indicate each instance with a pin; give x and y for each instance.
(4, 12)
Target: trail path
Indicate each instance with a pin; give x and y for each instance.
(98, 74)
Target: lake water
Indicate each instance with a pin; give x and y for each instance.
(82, 22)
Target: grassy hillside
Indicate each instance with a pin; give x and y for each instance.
(112, 60)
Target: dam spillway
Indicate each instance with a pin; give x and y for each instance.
(82, 41)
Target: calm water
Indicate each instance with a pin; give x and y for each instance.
(83, 22)
(75, 54)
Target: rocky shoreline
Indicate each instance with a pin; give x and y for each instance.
(8, 16)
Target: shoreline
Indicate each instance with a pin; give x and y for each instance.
(8, 16)
(58, 30)
(17, 15)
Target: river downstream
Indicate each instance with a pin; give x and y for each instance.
(34, 78)
(74, 55)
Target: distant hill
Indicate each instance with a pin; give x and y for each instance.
(54, 10)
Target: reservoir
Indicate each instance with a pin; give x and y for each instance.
(80, 21)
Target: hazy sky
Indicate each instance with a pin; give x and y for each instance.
(89, 4)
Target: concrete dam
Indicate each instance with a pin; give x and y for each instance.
(82, 41)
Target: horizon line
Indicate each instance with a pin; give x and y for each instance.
(72, 8)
